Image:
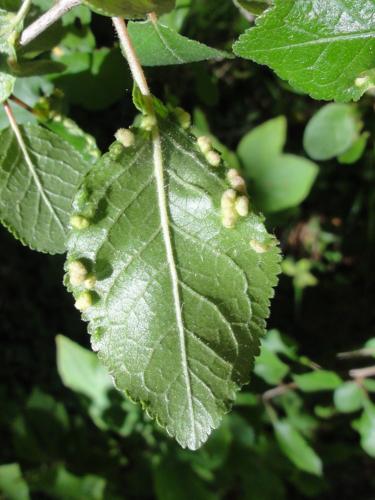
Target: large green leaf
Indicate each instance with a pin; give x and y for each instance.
(179, 302)
(158, 45)
(323, 48)
(131, 9)
(39, 177)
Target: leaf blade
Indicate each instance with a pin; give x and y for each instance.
(198, 349)
(310, 45)
(36, 195)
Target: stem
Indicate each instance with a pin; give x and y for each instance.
(131, 56)
(361, 373)
(46, 20)
(21, 103)
(278, 391)
(21, 14)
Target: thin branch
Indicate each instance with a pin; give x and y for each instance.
(361, 373)
(21, 14)
(365, 352)
(46, 20)
(21, 103)
(131, 56)
(278, 391)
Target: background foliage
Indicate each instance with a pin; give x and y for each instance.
(304, 427)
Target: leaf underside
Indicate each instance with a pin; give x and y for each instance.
(326, 49)
(183, 353)
(36, 196)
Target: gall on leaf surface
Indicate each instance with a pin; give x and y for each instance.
(130, 9)
(180, 337)
(326, 49)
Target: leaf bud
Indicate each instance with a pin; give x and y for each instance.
(213, 158)
(205, 144)
(183, 117)
(84, 301)
(242, 206)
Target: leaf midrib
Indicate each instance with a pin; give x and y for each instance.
(158, 166)
(35, 176)
(321, 41)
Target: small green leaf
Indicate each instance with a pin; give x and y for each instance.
(323, 48)
(269, 367)
(276, 181)
(355, 153)
(158, 45)
(331, 132)
(349, 397)
(284, 183)
(296, 448)
(131, 9)
(177, 328)
(319, 380)
(365, 425)
(58, 482)
(12, 484)
(39, 177)
(262, 144)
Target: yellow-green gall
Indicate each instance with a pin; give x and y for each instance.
(84, 301)
(126, 137)
(90, 282)
(183, 117)
(242, 206)
(213, 158)
(77, 272)
(205, 144)
(236, 181)
(148, 123)
(79, 222)
(258, 247)
(229, 219)
(228, 210)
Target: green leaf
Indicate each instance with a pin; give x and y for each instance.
(319, 380)
(332, 131)
(284, 183)
(131, 9)
(322, 48)
(12, 484)
(39, 177)
(58, 482)
(82, 372)
(269, 367)
(349, 397)
(254, 7)
(262, 144)
(355, 153)
(158, 45)
(296, 448)
(365, 425)
(176, 313)
(276, 181)
(7, 43)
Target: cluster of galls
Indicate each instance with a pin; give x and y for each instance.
(79, 276)
(234, 202)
